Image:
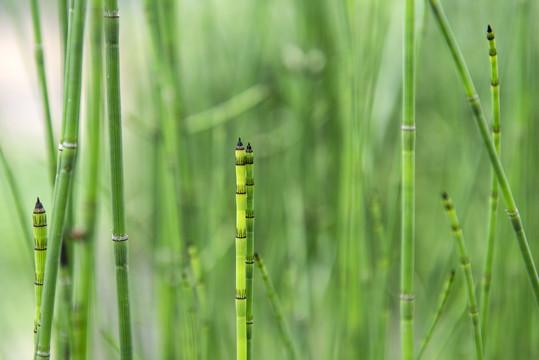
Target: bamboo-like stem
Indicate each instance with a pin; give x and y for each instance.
(64, 174)
(241, 319)
(39, 220)
(493, 210)
(277, 308)
(65, 289)
(63, 17)
(17, 200)
(448, 284)
(408, 185)
(84, 249)
(40, 64)
(467, 269)
(249, 260)
(119, 236)
(473, 99)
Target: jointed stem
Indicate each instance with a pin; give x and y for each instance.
(249, 262)
(465, 262)
(119, 236)
(39, 219)
(473, 99)
(495, 91)
(241, 318)
(408, 184)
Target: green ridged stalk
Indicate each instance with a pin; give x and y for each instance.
(249, 261)
(495, 132)
(201, 297)
(408, 186)
(64, 174)
(473, 99)
(241, 318)
(119, 236)
(40, 64)
(277, 309)
(467, 269)
(84, 248)
(448, 284)
(39, 220)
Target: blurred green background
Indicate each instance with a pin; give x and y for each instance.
(316, 87)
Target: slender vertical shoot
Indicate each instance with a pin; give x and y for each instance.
(119, 236)
(473, 99)
(277, 309)
(448, 284)
(408, 184)
(40, 64)
(493, 210)
(64, 175)
(249, 262)
(241, 319)
(39, 220)
(466, 268)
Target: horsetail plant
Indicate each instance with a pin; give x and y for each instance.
(249, 261)
(241, 319)
(408, 185)
(40, 64)
(64, 176)
(475, 104)
(39, 220)
(119, 237)
(466, 268)
(495, 92)
(277, 308)
(448, 284)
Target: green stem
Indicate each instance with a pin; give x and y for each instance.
(84, 249)
(467, 269)
(40, 64)
(408, 185)
(201, 297)
(277, 308)
(473, 99)
(495, 132)
(39, 219)
(441, 306)
(64, 175)
(241, 319)
(249, 261)
(119, 236)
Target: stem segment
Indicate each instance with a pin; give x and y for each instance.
(119, 237)
(465, 262)
(39, 219)
(408, 183)
(241, 319)
(249, 262)
(473, 99)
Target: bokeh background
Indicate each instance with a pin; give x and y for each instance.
(316, 87)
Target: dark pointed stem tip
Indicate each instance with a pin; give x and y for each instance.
(239, 146)
(489, 29)
(39, 205)
(249, 149)
(445, 196)
(256, 256)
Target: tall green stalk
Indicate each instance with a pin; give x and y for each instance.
(495, 132)
(249, 261)
(408, 185)
(441, 306)
(473, 99)
(466, 268)
(241, 318)
(277, 309)
(84, 249)
(40, 64)
(39, 219)
(64, 174)
(119, 237)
